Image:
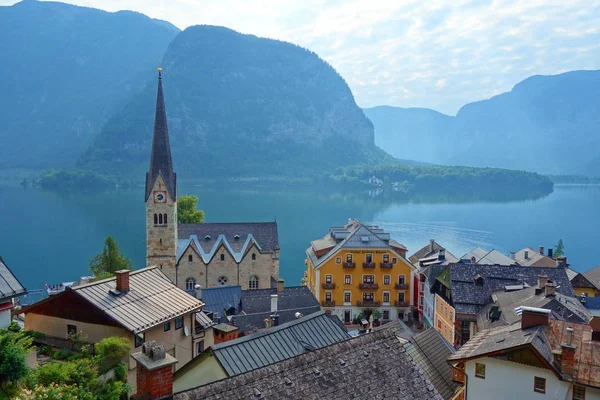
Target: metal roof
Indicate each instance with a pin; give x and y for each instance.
(218, 299)
(279, 343)
(151, 300)
(484, 257)
(9, 285)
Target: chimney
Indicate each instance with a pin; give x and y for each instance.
(198, 290)
(442, 254)
(268, 323)
(532, 316)
(280, 285)
(513, 255)
(550, 289)
(154, 372)
(567, 354)
(274, 303)
(542, 250)
(122, 280)
(542, 280)
(275, 318)
(550, 253)
(595, 324)
(562, 261)
(431, 243)
(527, 254)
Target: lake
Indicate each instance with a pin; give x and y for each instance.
(50, 238)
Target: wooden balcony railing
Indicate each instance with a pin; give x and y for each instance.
(368, 303)
(349, 265)
(398, 303)
(371, 286)
(385, 265)
(369, 265)
(326, 303)
(328, 285)
(401, 286)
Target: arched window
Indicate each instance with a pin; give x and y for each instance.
(254, 256)
(160, 241)
(190, 258)
(155, 219)
(253, 283)
(160, 219)
(165, 218)
(222, 257)
(190, 284)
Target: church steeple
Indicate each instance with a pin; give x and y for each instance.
(160, 161)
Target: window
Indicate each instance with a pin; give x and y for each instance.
(401, 279)
(165, 219)
(368, 278)
(349, 257)
(347, 316)
(401, 297)
(155, 219)
(338, 260)
(190, 284)
(160, 241)
(369, 258)
(222, 280)
(386, 297)
(253, 283)
(394, 260)
(368, 296)
(401, 315)
(327, 296)
(451, 316)
(386, 279)
(347, 279)
(160, 219)
(386, 258)
(71, 330)
(328, 278)
(480, 370)
(539, 384)
(190, 258)
(178, 322)
(347, 297)
(167, 326)
(199, 347)
(253, 256)
(139, 339)
(439, 325)
(386, 315)
(578, 392)
(222, 257)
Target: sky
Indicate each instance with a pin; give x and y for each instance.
(438, 54)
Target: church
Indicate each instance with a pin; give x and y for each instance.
(208, 254)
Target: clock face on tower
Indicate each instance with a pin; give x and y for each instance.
(160, 197)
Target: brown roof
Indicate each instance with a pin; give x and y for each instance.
(593, 275)
(370, 366)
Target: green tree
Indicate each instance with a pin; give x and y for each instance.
(109, 261)
(14, 346)
(559, 249)
(187, 212)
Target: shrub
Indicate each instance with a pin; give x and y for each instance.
(121, 372)
(113, 349)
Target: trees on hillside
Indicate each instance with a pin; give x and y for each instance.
(187, 212)
(109, 261)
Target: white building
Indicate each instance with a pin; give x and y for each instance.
(10, 288)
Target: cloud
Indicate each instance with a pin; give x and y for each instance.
(411, 53)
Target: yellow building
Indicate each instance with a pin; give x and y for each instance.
(357, 269)
(444, 319)
(585, 283)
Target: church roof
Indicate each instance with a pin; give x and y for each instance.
(160, 162)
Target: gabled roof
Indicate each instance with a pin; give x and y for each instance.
(593, 276)
(430, 250)
(151, 300)
(9, 284)
(160, 159)
(533, 257)
(484, 257)
(469, 298)
(279, 343)
(371, 366)
(219, 299)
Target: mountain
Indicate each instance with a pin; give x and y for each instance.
(66, 69)
(548, 124)
(240, 106)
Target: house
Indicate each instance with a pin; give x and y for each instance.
(587, 283)
(357, 269)
(483, 257)
(10, 288)
(534, 357)
(430, 261)
(463, 289)
(372, 366)
(258, 350)
(141, 306)
(209, 254)
(528, 257)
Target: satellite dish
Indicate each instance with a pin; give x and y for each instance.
(186, 331)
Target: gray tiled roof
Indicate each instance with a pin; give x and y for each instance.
(151, 300)
(9, 284)
(469, 298)
(430, 351)
(279, 343)
(372, 366)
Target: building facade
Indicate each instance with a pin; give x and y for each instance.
(245, 254)
(10, 288)
(358, 269)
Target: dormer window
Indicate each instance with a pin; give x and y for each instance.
(478, 279)
(236, 237)
(207, 238)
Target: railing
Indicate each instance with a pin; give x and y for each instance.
(398, 303)
(328, 285)
(372, 286)
(368, 265)
(368, 303)
(328, 303)
(349, 265)
(401, 286)
(385, 265)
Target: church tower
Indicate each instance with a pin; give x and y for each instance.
(161, 196)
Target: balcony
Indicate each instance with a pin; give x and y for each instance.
(328, 286)
(349, 265)
(328, 303)
(401, 286)
(399, 303)
(368, 265)
(385, 265)
(368, 303)
(371, 286)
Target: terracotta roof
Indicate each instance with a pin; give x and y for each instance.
(9, 284)
(371, 366)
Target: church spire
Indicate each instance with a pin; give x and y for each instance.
(160, 161)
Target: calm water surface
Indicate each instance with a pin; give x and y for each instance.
(50, 238)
